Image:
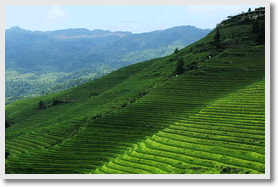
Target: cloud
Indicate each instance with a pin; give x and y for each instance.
(55, 12)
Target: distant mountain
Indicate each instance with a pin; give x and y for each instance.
(16, 30)
(83, 33)
(77, 48)
(185, 35)
(145, 46)
(67, 33)
(43, 62)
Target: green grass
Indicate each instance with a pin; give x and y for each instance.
(142, 119)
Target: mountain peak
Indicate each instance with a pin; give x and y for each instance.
(16, 28)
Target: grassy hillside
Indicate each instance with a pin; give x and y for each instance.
(145, 119)
(218, 139)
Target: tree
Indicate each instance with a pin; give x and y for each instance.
(261, 34)
(255, 26)
(180, 69)
(55, 102)
(7, 123)
(6, 153)
(191, 66)
(259, 30)
(249, 10)
(40, 105)
(217, 38)
(176, 50)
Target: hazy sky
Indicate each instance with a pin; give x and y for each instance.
(134, 18)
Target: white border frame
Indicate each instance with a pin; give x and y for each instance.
(158, 176)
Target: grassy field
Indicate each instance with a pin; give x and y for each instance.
(145, 119)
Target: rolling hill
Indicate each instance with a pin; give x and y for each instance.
(145, 118)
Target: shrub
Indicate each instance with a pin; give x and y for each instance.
(93, 94)
(141, 94)
(176, 50)
(172, 59)
(124, 105)
(191, 66)
(96, 116)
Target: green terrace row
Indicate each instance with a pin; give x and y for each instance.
(42, 138)
(22, 109)
(61, 113)
(114, 132)
(47, 118)
(180, 151)
(51, 111)
(106, 130)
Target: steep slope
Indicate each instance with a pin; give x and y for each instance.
(225, 137)
(145, 119)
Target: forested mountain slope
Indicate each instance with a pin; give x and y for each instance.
(39, 63)
(158, 116)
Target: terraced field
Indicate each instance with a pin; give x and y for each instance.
(225, 137)
(144, 119)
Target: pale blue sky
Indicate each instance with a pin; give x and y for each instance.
(133, 18)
